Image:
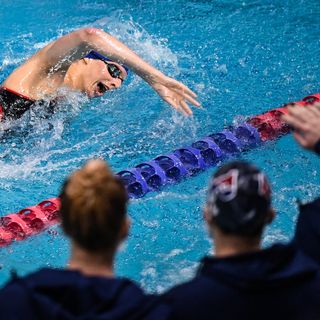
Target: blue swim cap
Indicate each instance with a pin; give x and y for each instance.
(96, 55)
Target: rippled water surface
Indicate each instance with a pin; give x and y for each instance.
(242, 58)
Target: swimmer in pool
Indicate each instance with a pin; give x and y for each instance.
(88, 60)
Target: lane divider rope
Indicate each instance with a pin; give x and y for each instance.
(165, 169)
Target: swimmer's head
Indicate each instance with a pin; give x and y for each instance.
(95, 74)
(94, 208)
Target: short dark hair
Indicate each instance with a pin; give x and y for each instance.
(239, 199)
(93, 207)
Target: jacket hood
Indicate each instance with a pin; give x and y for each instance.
(64, 294)
(273, 267)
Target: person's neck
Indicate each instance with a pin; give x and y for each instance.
(228, 245)
(91, 264)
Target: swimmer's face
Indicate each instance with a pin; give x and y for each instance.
(98, 76)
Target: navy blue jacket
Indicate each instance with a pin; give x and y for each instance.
(68, 295)
(276, 283)
(307, 235)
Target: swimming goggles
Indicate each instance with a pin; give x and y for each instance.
(113, 69)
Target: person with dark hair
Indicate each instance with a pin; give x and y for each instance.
(306, 124)
(88, 60)
(94, 217)
(242, 280)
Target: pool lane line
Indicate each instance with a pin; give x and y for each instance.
(165, 169)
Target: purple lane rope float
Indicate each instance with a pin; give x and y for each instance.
(165, 169)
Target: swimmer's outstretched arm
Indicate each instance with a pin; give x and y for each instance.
(78, 43)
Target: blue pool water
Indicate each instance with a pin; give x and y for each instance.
(242, 58)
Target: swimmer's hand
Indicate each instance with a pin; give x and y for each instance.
(306, 124)
(174, 92)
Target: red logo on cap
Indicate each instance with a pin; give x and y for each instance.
(227, 185)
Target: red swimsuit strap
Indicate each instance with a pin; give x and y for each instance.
(17, 93)
(1, 112)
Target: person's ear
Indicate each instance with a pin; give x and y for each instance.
(270, 216)
(207, 216)
(125, 228)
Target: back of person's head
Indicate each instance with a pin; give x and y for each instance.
(94, 207)
(239, 199)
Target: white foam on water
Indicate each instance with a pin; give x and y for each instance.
(150, 48)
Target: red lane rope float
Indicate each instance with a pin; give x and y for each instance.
(34, 219)
(29, 221)
(270, 125)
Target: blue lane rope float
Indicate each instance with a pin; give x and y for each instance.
(202, 154)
